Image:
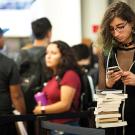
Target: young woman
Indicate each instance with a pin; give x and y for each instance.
(63, 89)
(118, 38)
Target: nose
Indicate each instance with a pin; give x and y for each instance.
(116, 33)
(47, 56)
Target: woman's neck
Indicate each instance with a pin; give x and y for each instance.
(129, 44)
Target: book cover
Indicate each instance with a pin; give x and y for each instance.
(106, 120)
(98, 110)
(112, 91)
(109, 102)
(108, 106)
(108, 115)
(112, 124)
(103, 112)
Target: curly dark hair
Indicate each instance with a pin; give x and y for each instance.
(116, 9)
(68, 61)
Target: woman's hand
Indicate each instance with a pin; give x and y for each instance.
(113, 77)
(128, 78)
(38, 109)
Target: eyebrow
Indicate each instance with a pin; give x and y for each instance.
(118, 24)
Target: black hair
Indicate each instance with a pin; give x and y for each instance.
(81, 51)
(68, 61)
(41, 27)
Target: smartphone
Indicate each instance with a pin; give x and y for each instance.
(114, 68)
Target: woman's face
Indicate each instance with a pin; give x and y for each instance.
(121, 30)
(53, 56)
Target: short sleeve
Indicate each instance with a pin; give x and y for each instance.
(71, 78)
(14, 77)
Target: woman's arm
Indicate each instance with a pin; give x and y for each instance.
(109, 79)
(102, 75)
(66, 99)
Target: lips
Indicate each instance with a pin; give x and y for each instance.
(48, 62)
(119, 39)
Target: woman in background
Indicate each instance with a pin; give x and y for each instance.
(118, 38)
(63, 89)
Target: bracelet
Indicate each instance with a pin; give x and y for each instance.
(43, 109)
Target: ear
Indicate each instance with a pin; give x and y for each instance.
(49, 34)
(132, 24)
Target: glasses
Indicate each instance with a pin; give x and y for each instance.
(119, 28)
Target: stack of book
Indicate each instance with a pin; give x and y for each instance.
(107, 111)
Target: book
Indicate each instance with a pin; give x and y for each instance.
(116, 96)
(105, 120)
(108, 105)
(110, 97)
(107, 110)
(114, 112)
(108, 115)
(99, 110)
(111, 124)
(111, 91)
(109, 102)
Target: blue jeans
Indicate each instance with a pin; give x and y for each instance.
(56, 132)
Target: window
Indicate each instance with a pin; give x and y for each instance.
(15, 4)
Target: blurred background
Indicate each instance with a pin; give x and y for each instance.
(73, 21)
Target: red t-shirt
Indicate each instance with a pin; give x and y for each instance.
(52, 91)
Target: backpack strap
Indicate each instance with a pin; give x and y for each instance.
(91, 87)
(86, 92)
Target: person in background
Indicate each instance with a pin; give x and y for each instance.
(93, 50)
(10, 93)
(118, 49)
(31, 64)
(84, 57)
(63, 88)
(3, 48)
(42, 31)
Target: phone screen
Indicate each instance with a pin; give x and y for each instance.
(115, 68)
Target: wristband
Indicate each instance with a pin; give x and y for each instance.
(43, 109)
